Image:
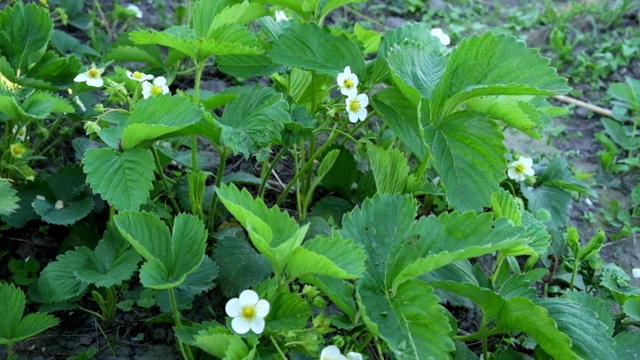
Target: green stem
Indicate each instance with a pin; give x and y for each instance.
(274, 162)
(9, 351)
(576, 266)
(99, 316)
(219, 175)
(185, 349)
(277, 347)
(196, 99)
(112, 298)
(172, 199)
(366, 342)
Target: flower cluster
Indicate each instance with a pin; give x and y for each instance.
(93, 77)
(520, 169)
(333, 353)
(356, 103)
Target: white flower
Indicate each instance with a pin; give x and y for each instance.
(21, 133)
(136, 10)
(281, 16)
(331, 352)
(520, 169)
(444, 38)
(92, 77)
(138, 76)
(635, 272)
(248, 312)
(354, 356)
(348, 82)
(159, 86)
(40, 197)
(59, 204)
(357, 107)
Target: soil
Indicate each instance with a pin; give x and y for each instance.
(130, 338)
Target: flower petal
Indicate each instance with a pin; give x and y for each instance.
(330, 352)
(233, 307)
(341, 78)
(262, 308)
(95, 82)
(349, 92)
(81, 78)
(248, 297)
(363, 99)
(354, 356)
(160, 81)
(527, 161)
(257, 325)
(353, 117)
(240, 325)
(362, 114)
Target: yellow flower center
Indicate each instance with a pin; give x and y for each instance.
(155, 90)
(137, 75)
(18, 150)
(354, 106)
(22, 132)
(93, 73)
(249, 312)
(348, 83)
(521, 168)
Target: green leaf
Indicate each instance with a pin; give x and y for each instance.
(157, 117)
(484, 65)
(468, 154)
(122, 178)
(390, 169)
(8, 198)
(627, 345)
(69, 214)
(236, 14)
(620, 135)
(326, 6)
(331, 256)
(254, 120)
(451, 237)
(327, 163)
(310, 47)
(13, 327)
(215, 340)
(289, 312)
(170, 257)
(340, 292)
(342, 174)
(536, 233)
(631, 308)
(205, 12)
(411, 321)
(417, 67)
(403, 118)
(145, 54)
(196, 283)
(25, 33)
(247, 66)
(381, 224)
(516, 111)
(594, 304)
(556, 201)
(274, 233)
(51, 72)
(505, 205)
(58, 281)
(589, 337)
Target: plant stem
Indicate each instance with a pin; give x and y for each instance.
(277, 347)
(219, 175)
(367, 340)
(576, 265)
(172, 199)
(185, 349)
(196, 99)
(272, 166)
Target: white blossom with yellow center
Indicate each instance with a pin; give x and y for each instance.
(520, 169)
(136, 10)
(348, 82)
(248, 312)
(357, 107)
(93, 77)
(159, 86)
(21, 133)
(332, 352)
(444, 38)
(139, 76)
(17, 150)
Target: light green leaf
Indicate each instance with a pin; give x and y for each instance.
(215, 340)
(417, 67)
(178, 37)
(330, 256)
(411, 321)
(403, 118)
(340, 292)
(24, 35)
(468, 154)
(247, 66)
(8, 198)
(254, 120)
(589, 337)
(538, 239)
(13, 327)
(324, 7)
(236, 14)
(205, 12)
(381, 224)
(289, 312)
(594, 304)
(122, 178)
(484, 65)
(188, 243)
(451, 237)
(327, 163)
(159, 116)
(516, 111)
(310, 47)
(274, 233)
(145, 54)
(505, 205)
(390, 169)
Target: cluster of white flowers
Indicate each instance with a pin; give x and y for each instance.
(93, 77)
(356, 103)
(333, 353)
(520, 169)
